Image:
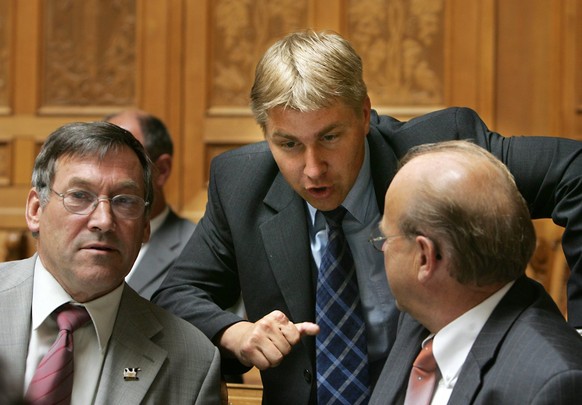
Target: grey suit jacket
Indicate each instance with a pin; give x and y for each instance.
(254, 238)
(178, 363)
(525, 354)
(163, 248)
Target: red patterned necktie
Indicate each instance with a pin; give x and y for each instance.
(52, 382)
(422, 378)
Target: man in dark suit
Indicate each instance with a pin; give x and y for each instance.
(169, 231)
(457, 237)
(88, 210)
(263, 232)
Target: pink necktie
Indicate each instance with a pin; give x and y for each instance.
(52, 382)
(422, 378)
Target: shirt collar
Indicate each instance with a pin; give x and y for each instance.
(156, 222)
(453, 343)
(48, 295)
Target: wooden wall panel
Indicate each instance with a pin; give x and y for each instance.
(241, 31)
(5, 53)
(571, 83)
(88, 54)
(527, 67)
(159, 72)
(402, 45)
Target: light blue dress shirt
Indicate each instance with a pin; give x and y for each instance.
(362, 217)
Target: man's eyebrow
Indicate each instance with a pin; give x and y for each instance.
(322, 132)
(78, 182)
(85, 183)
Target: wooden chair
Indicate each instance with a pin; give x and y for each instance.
(248, 393)
(13, 245)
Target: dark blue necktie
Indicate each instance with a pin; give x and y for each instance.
(341, 353)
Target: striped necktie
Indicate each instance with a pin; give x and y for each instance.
(52, 382)
(341, 351)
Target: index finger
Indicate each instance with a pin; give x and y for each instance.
(307, 328)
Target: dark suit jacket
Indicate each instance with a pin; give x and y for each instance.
(178, 363)
(254, 238)
(525, 354)
(163, 248)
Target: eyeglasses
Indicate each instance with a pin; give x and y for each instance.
(82, 202)
(377, 239)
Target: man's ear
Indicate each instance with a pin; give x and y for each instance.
(429, 257)
(33, 211)
(366, 109)
(164, 167)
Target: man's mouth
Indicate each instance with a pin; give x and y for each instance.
(319, 192)
(100, 247)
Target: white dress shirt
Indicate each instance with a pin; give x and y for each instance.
(452, 344)
(90, 341)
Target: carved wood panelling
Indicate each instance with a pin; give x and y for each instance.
(241, 32)
(89, 54)
(401, 43)
(5, 40)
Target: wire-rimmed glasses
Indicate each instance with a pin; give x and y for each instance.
(82, 202)
(377, 238)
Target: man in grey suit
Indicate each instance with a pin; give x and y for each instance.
(263, 231)
(169, 231)
(457, 236)
(88, 209)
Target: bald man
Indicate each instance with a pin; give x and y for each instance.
(456, 236)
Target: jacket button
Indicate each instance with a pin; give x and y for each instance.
(307, 376)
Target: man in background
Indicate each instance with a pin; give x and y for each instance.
(457, 237)
(169, 232)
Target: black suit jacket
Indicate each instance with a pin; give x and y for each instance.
(525, 354)
(253, 236)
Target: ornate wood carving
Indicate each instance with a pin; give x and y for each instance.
(5, 39)
(241, 31)
(89, 52)
(401, 43)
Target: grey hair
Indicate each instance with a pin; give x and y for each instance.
(81, 139)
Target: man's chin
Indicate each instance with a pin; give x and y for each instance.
(323, 204)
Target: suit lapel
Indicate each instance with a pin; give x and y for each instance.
(482, 354)
(16, 304)
(393, 380)
(131, 346)
(383, 164)
(159, 255)
(286, 240)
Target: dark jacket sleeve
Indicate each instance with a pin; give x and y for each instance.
(204, 280)
(547, 170)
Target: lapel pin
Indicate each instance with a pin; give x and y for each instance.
(130, 373)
